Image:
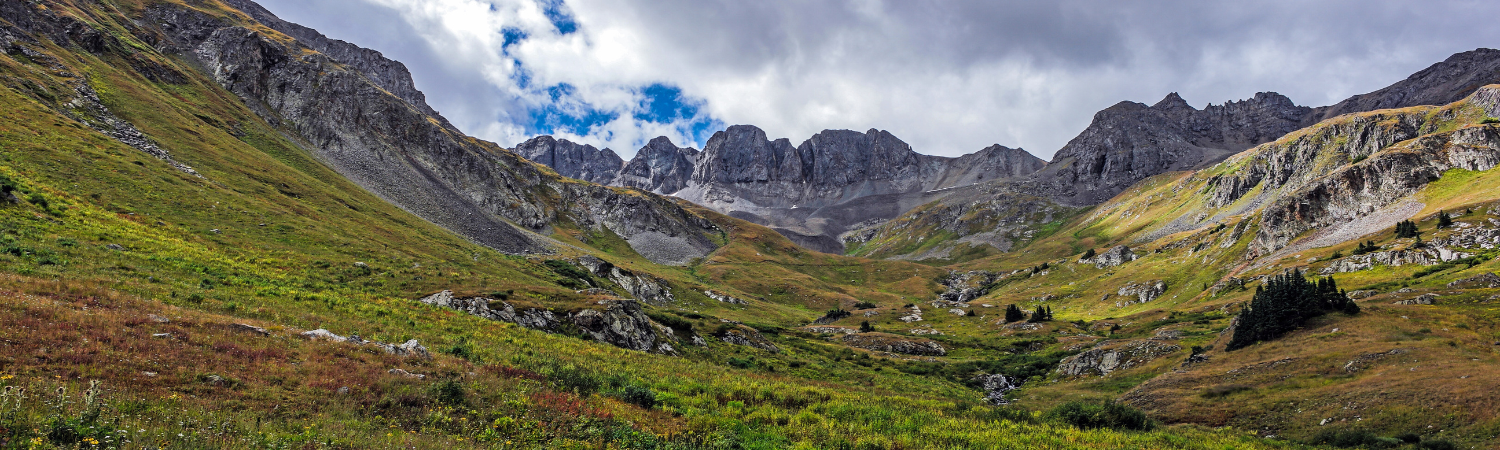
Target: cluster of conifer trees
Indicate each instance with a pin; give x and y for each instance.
(1284, 303)
(1014, 313)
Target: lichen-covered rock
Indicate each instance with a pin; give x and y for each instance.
(1424, 299)
(1141, 292)
(995, 386)
(749, 337)
(895, 344)
(1115, 256)
(642, 287)
(830, 330)
(1485, 280)
(1424, 256)
(622, 323)
(725, 298)
(1110, 357)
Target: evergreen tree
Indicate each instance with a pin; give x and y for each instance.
(1013, 313)
(1089, 254)
(1406, 229)
(1444, 220)
(865, 327)
(1042, 314)
(1284, 303)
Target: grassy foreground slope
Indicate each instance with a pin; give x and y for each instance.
(127, 281)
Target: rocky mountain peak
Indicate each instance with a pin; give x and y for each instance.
(660, 167)
(1172, 101)
(1130, 141)
(571, 159)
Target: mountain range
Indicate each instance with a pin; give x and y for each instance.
(219, 229)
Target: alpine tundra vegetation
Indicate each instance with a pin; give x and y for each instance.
(220, 229)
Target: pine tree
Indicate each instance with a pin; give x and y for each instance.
(1444, 220)
(1284, 303)
(865, 327)
(1013, 313)
(1406, 229)
(1042, 314)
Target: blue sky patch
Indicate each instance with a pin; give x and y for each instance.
(665, 103)
(554, 116)
(558, 13)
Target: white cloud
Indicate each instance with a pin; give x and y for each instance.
(948, 77)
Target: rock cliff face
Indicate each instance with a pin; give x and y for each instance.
(358, 112)
(1130, 141)
(572, 160)
(659, 167)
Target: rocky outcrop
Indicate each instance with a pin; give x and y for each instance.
(1425, 256)
(358, 112)
(1113, 257)
(645, 288)
(583, 162)
(1110, 357)
(725, 298)
(1424, 299)
(1137, 293)
(891, 343)
(961, 287)
(995, 386)
(1481, 281)
(1399, 154)
(410, 348)
(621, 323)
(746, 336)
(830, 330)
(533, 318)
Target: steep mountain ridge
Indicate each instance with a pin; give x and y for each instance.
(1130, 142)
(811, 193)
(411, 157)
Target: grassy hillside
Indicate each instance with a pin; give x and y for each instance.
(125, 281)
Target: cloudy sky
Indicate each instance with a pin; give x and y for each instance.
(949, 77)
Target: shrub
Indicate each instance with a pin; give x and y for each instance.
(1224, 390)
(1108, 414)
(449, 392)
(1489, 120)
(571, 378)
(637, 395)
(1089, 254)
(864, 305)
(865, 327)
